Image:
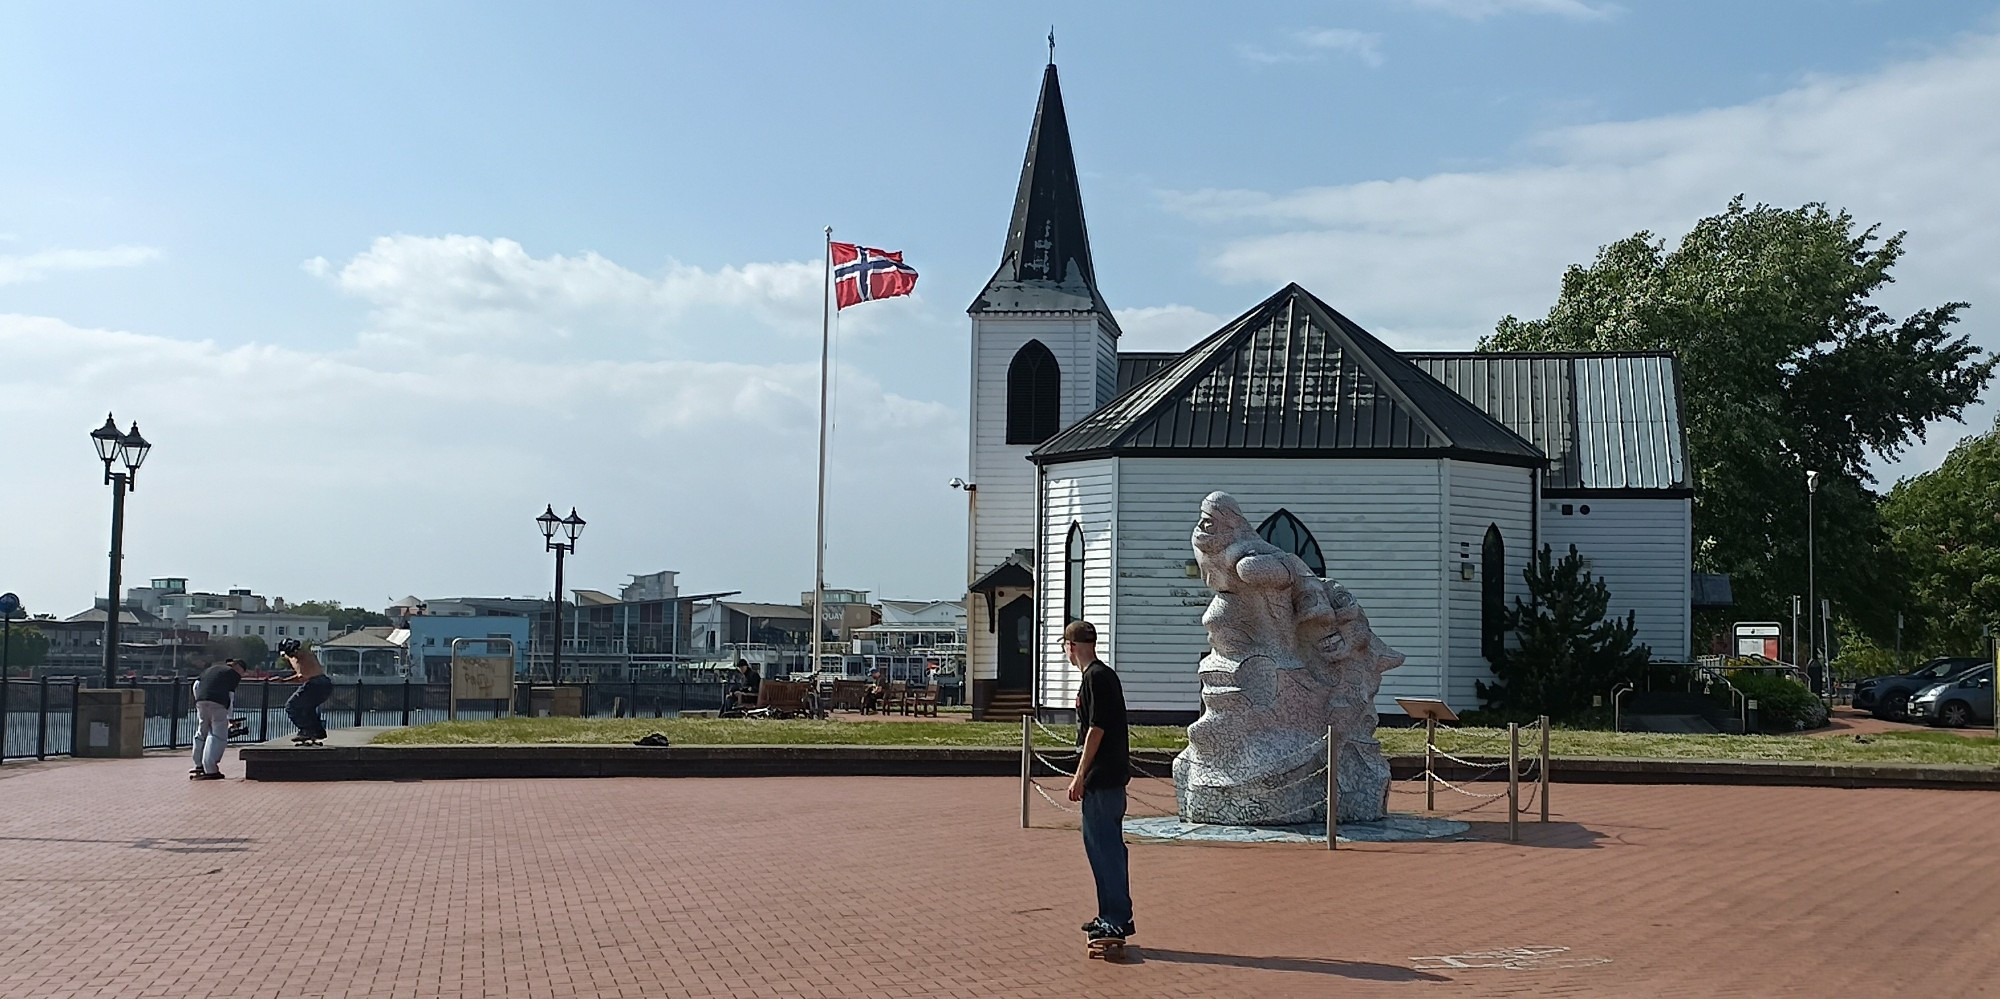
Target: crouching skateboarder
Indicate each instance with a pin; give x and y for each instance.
(214, 692)
(1102, 772)
(303, 706)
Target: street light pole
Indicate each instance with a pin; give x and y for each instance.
(116, 446)
(1812, 591)
(571, 526)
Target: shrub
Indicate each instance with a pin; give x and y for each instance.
(1567, 651)
(1783, 705)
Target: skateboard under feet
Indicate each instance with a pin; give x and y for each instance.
(308, 742)
(1108, 949)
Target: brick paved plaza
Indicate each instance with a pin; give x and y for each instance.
(120, 878)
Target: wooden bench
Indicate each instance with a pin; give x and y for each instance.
(895, 696)
(785, 698)
(922, 700)
(847, 695)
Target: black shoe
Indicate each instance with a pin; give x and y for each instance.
(1105, 931)
(216, 775)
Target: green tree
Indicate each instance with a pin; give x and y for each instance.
(1567, 651)
(1945, 526)
(340, 619)
(249, 648)
(27, 647)
(1786, 366)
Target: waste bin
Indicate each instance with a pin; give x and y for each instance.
(110, 722)
(555, 702)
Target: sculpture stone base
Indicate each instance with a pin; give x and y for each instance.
(1287, 795)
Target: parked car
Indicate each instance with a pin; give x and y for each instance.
(1889, 696)
(1963, 700)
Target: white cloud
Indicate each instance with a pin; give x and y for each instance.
(1479, 10)
(1435, 260)
(378, 467)
(20, 269)
(436, 290)
(1165, 327)
(1312, 44)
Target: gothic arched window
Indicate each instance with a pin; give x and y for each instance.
(1034, 395)
(1073, 575)
(1493, 595)
(1285, 531)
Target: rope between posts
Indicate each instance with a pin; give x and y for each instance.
(1045, 761)
(1469, 794)
(1468, 763)
(1052, 801)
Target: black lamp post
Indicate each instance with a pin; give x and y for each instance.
(571, 526)
(115, 446)
(1812, 589)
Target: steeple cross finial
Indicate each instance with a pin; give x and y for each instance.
(1052, 44)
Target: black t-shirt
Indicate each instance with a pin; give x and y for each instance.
(217, 683)
(1100, 703)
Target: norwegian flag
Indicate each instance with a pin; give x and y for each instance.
(864, 274)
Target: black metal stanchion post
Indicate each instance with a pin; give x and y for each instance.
(1332, 787)
(360, 697)
(174, 713)
(1513, 782)
(1545, 768)
(406, 700)
(264, 710)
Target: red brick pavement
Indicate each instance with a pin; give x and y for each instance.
(119, 878)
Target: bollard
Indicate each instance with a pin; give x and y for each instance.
(1513, 782)
(42, 723)
(1430, 764)
(1027, 768)
(1332, 788)
(406, 700)
(1545, 768)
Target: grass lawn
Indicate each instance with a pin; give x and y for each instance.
(1895, 747)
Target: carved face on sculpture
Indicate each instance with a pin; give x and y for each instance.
(1221, 520)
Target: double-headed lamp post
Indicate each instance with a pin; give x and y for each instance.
(571, 526)
(114, 447)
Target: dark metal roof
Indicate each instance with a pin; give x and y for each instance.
(1045, 265)
(1137, 366)
(1294, 377)
(1016, 570)
(1608, 422)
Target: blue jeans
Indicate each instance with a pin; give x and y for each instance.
(1104, 844)
(303, 706)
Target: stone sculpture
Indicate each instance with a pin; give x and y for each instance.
(1289, 655)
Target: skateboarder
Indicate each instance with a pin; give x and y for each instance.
(214, 692)
(303, 706)
(1102, 771)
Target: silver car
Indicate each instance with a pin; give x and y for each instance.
(1963, 700)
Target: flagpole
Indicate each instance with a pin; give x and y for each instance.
(819, 545)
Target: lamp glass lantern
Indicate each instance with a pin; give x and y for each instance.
(110, 441)
(547, 522)
(572, 525)
(134, 448)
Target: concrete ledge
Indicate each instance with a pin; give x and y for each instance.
(349, 756)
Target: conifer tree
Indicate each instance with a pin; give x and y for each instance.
(1565, 650)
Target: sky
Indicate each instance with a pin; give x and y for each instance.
(379, 281)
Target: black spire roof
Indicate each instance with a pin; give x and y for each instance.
(1045, 266)
(1291, 377)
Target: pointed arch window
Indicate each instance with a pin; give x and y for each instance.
(1034, 395)
(1073, 575)
(1285, 531)
(1493, 595)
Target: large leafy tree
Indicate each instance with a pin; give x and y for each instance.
(1945, 525)
(1566, 651)
(1787, 365)
(27, 647)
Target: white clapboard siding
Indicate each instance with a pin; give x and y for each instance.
(1644, 550)
(1482, 496)
(1075, 493)
(1004, 517)
(1378, 523)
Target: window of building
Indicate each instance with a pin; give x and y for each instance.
(1493, 595)
(1034, 395)
(281, 629)
(1285, 531)
(1073, 575)
(260, 629)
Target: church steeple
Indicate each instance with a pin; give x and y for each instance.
(1045, 265)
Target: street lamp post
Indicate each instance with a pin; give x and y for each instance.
(571, 526)
(1812, 592)
(115, 446)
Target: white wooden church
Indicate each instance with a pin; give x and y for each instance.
(1423, 482)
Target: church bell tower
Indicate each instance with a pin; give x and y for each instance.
(1044, 355)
